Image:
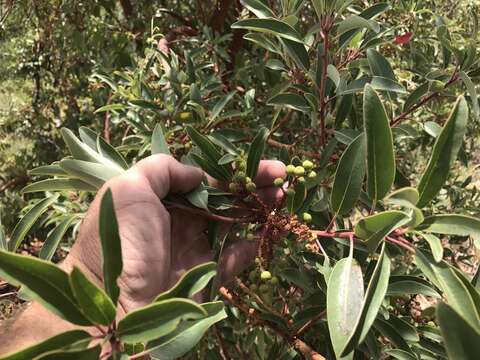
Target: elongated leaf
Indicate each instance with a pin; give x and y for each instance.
(472, 92)
(410, 285)
(451, 224)
(92, 173)
(93, 301)
(258, 8)
(376, 290)
(81, 151)
(198, 197)
(111, 246)
(110, 153)
(27, 221)
(388, 330)
(379, 140)
(406, 197)
(263, 41)
(220, 105)
(210, 168)
(92, 353)
(3, 239)
(269, 26)
(401, 354)
(89, 137)
(406, 331)
(425, 262)
(385, 84)
(255, 152)
(53, 240)
(354, 22)
(415, 96)
(435, 245)
(187, 335)
(56, 342)
(159, 144)
(349, 177)
(444, 153)
(374, 228)
(159, 319)
(111, 107)
(344, 303)
(461, 340)
(58, 185)
(51, 170)
(297, 52)
(191, 282)
(379, 66)
(290, 100)
(43, 282)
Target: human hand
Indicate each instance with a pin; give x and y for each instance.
(159, 245)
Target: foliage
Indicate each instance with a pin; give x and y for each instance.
(375, 116)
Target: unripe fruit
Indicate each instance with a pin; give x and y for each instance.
(185, 116)
(299, 171)
(258, 261)
(290, 192)
(436, 85)
(233, 187)
(264, 288)
(307, 217)
(274, 280)
(312, 175)
(253, 276)
(250, 237)
(241, 165)
(301, 180)
(307, 164)
(265, 275)
(278, 182)
(431, 323)
(286, 251)
(251, 187)
(290, 169)
(240, 176)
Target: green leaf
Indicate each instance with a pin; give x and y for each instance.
(111, 107)
(376, 290)
(406, 197)
(89, 137)
(51, 170)
(349, 177)
(59, 185)
(111, 246)
(401, 354)
(262, 41)
(388, 330)
(379, 66)
(54, 343)
(187, 335)
(210, 168)
(435, 245)
(269, 26)
(220, 105)
(379, 140)
(258, 8)
(92, 173)
(81, 151)
(297, 52)
(472, 92)
(451, 224)
(159, 144)
(3, 239)
(406, 331)
(444, 153)
(191, 282)
(93, 301)
(88, 354)
(255, 152)
(53, 240)
(27, 221)
(44, 282)
(290, 100)
(425, 262)
(410, 285)
(198, 197)
(344, 302)
(461, 340)
(415, 96)
(355, 22)
(110, 153)
(158, 319)
(374, 228)
(384, 84)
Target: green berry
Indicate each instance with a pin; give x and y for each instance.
(278, 182)
(248, 179)
(258, 261)
(431, 323)
(233, 187)
(274, 280)
(286, 251)
(264, 288)
(241, 165)
(301, 180)
(290, 192)
(307, 164)
(436, 85)
(265, 275)
(312, 175)
(299, 171)
(251, 187)
(307, 217)
(240, 176)
(290, 169)
(250, 237)
(253, 276)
